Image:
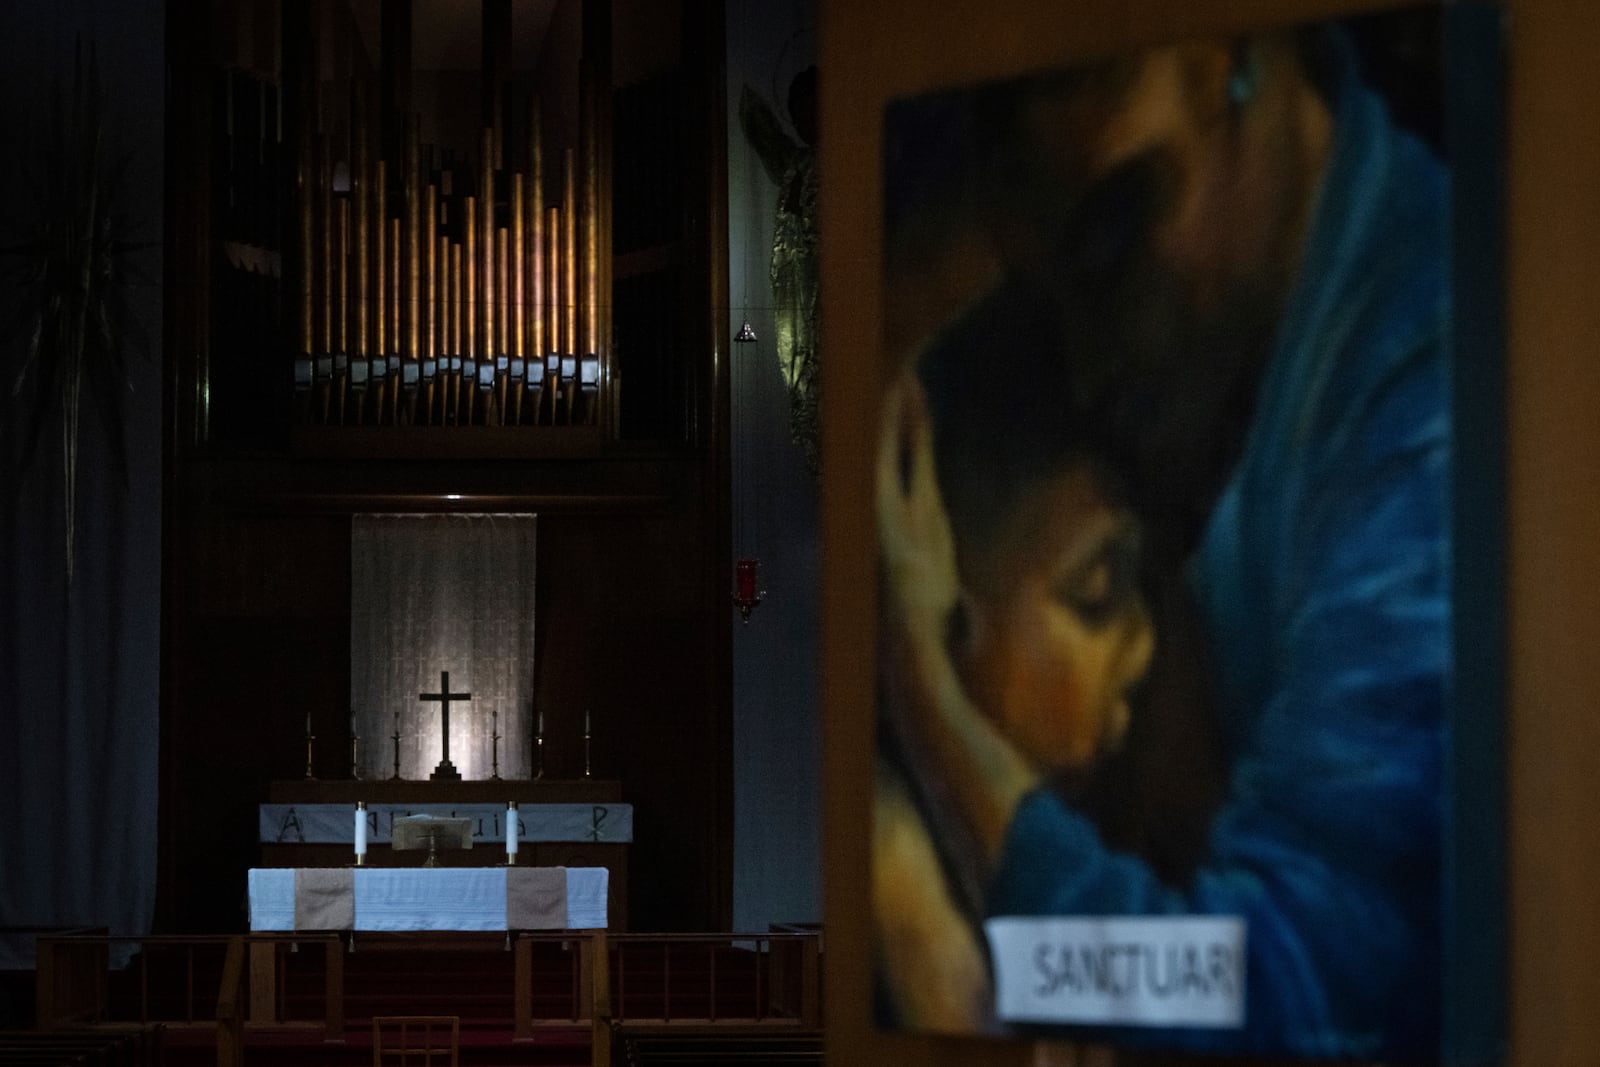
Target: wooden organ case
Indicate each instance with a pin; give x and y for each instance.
(431, 256)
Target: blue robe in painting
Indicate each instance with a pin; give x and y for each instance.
(1323, 576)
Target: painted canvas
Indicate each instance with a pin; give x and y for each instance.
(1170, 735)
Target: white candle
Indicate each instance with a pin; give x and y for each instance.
(361, 828)
(586, 722)
(539, 729)
(512, 828)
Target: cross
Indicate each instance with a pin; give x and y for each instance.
(444, 697)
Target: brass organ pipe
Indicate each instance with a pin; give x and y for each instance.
(442, 321)
(322, 284)
(413, 245)
(607, 383)
(453, 401)
(381, 295)
(502, 258)
(324, 213)
(394, 317)
(430, 289)
(537, 237)
(440, 293)
(341, 323)
(303, 204)
(590, 183)
(487, 297)
(380, 263)
(569, 266)
(502, 316)
(557, 319)
(469, 278)
(518, 280)
(569, 253)
(341, 319)
(518, 291)
(393, 273)
(359, 191)
(457, 302)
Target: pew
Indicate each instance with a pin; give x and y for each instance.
(120, 1047)
(635, 1045)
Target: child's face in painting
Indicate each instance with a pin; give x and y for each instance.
(1054, 632)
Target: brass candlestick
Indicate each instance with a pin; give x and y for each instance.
(396, 774)
(494, 746)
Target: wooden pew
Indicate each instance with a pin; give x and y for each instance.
(714, 1046)
(119, 1047)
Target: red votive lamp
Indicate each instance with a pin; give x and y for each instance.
(746, 573)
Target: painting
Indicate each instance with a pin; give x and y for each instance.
(1171, 729)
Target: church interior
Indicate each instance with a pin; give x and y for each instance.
(516, 300)
(431, 179)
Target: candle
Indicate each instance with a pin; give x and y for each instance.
(361, 828)
(513, 827)
(352, 722)
(539, 729)
(586, 722)
(308, 724)
(397, 724)
(494, 721)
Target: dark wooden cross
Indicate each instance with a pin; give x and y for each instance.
(446, 770)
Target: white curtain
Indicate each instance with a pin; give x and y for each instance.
(436, 593)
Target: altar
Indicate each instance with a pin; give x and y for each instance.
(407, 899)
(572, 823)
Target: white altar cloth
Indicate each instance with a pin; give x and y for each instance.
(426, 898)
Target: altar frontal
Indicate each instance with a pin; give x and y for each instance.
(428, 898)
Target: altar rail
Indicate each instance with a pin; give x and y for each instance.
(235, 984)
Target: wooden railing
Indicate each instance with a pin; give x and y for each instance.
(783, 969)
(269, 972)
(232, 994)
(69, 976)
(617, 980)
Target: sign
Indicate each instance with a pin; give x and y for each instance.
(1124, 971)
(330, 824)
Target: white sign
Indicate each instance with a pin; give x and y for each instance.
(1126, 971)
(331, 823)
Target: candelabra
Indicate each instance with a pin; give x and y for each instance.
(538, 746)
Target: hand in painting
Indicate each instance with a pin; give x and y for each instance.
(942, 731)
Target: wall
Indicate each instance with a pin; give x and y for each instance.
(774, 519)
